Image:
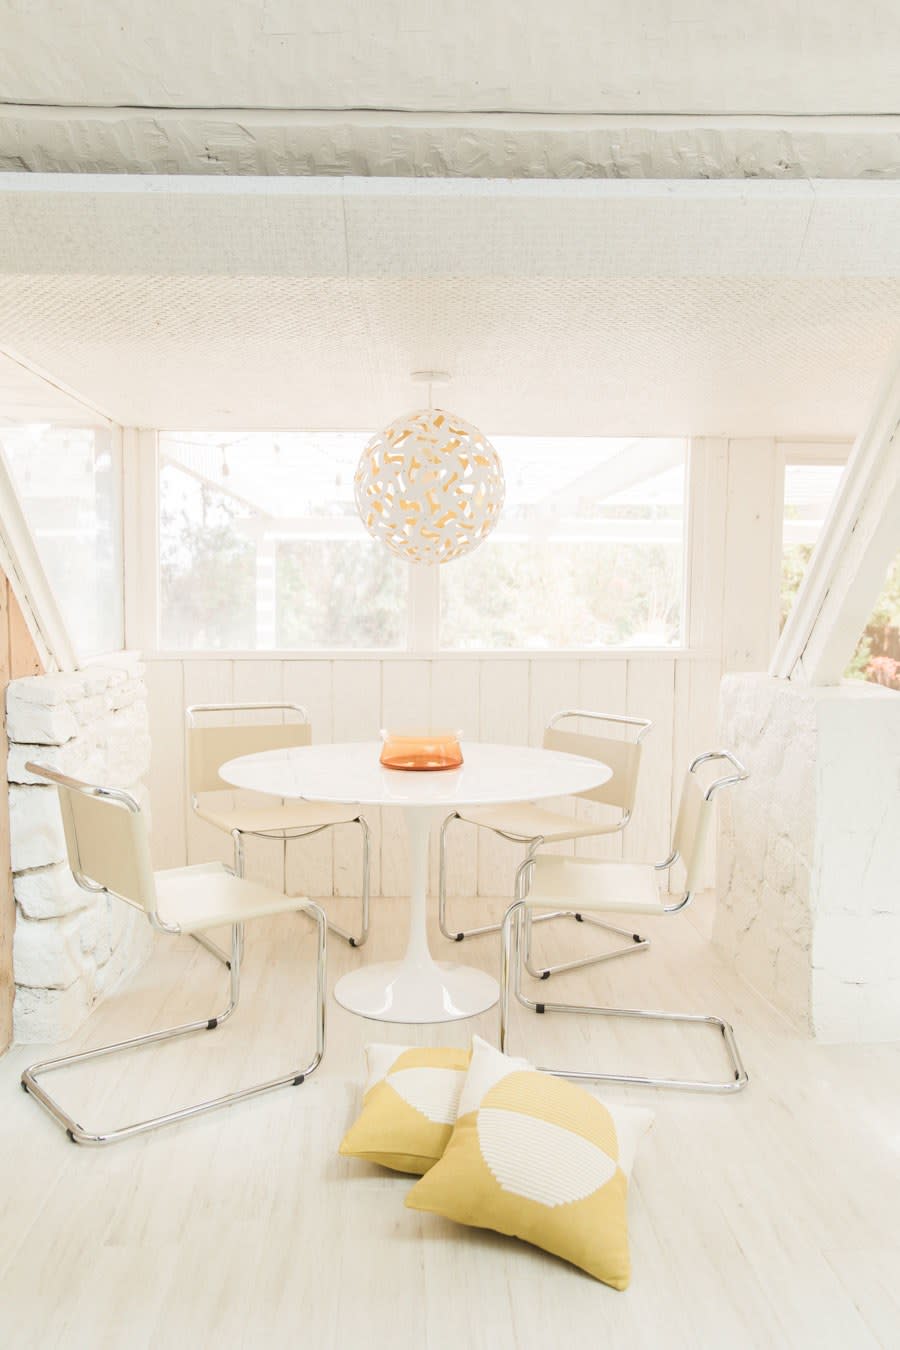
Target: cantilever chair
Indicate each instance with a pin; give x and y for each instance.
(109, 853)
(633, 888)
(209, 747)
(527, 823)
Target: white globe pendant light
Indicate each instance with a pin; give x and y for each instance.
(430, 486)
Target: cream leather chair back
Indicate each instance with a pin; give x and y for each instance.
(209, 747)
(623, 757)
(107, 840)
(695, 814)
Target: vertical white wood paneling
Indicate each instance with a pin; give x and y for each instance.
(356, 716)
(309, 864)
(752, 548)
(260, 682)
(602, 687)
(505, 705)
(207, 682)
(455, 700)
(166, 782)
(405, 705)
(651, 693)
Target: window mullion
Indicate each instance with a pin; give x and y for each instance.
(424, 607)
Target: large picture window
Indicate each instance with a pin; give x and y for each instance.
(809, 490)
(261, 548)
(588, 552)
(69, 481)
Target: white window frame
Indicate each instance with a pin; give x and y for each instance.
(798, 452)
(142, 598)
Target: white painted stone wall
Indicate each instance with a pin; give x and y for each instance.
(809, 853)
(70, 948)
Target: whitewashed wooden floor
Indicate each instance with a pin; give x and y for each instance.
(768, 1219)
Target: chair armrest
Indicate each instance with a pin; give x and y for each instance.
(739, 776)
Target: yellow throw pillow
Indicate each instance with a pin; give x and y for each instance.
(538, 1158)
(409, 1107)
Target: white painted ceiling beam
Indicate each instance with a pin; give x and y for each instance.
(112, 224)
(860, 539)
(77, 139)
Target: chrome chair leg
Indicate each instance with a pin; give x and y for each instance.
(511, 977)
(636, 943)
(355, 940)
(360, 939)
(213, 948)
(460, 935)
(79, 1135)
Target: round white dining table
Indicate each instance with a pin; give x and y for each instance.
(416, 988)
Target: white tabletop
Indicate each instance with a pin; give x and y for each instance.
(351, 773)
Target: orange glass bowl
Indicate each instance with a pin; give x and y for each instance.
(421, 753)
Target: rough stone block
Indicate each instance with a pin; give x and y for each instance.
(49, 892)
(36, 831)
(82, 757)
(35, 723)
(48, 689)
(45, 1016)
(96, 680)
(47, 953)
(88, 710)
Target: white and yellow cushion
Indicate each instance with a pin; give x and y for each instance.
(409, 1106)
(538, 1158)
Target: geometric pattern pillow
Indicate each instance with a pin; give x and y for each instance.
(538, 1158)
(409, 1106)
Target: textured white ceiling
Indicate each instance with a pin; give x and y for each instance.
(614, 356)
(808, 56)
(586, 308)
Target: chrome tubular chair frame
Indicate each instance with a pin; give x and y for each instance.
(32, 1076)
(511, 976)
(635, 942)
(358, 939)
